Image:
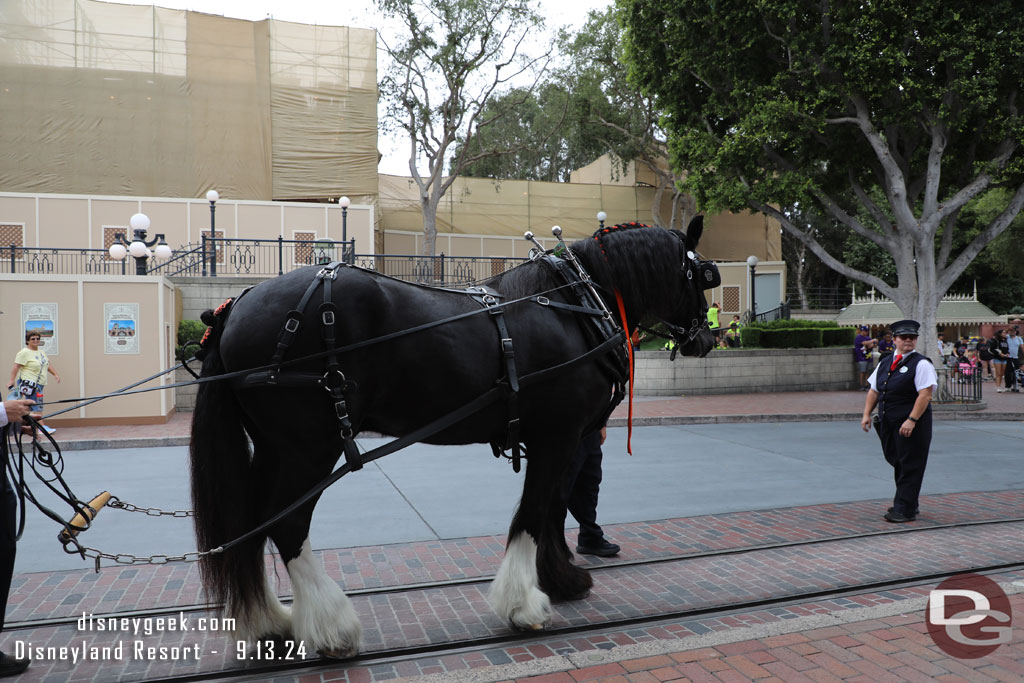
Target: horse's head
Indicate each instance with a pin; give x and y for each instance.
(658, 276)
(691, 332)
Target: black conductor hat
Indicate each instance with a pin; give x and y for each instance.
(905, 327)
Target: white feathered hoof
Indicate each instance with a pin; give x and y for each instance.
(323, 617)
(515, 594)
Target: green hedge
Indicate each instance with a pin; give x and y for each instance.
(750, 336)
(792, 338)
(789, 324)
(838, 336)
(189, 330)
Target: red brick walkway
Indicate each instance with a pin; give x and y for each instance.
(896, 648)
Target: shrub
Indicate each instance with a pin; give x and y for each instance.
(189, 330)
(838, 336)
(750, 336)
(789, 324)
(792, 338)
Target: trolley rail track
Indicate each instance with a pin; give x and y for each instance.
(260, 672)
(610, 572)
(476, 580)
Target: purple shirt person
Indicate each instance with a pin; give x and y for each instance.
(862, 345)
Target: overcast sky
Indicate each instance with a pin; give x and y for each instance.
(339, 13)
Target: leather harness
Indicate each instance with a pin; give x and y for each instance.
(333, 381)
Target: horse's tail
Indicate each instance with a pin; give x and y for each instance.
(222, 498)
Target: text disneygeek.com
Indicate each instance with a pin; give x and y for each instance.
(132, 648)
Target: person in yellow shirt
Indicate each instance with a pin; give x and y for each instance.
(713, 320)
(31, 367)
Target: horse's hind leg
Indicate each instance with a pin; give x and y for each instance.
(323, 617)
(535, 555)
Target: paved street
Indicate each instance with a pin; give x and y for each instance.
(431, 492)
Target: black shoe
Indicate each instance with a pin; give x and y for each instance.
(602, 549)
(9, 666)
(892, 510)
(898, 518)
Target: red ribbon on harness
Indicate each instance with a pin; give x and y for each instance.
(629, 351)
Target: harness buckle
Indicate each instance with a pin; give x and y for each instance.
(543, 300)
(489, 299)
(337, 385)
(327, 317)
(506, 347)
(291, 325)
(328, 273)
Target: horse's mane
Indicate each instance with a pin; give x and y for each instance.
(642, 262)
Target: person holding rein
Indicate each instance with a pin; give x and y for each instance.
(901, 386)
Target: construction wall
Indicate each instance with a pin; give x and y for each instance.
(112, 99)
(487, 209)
(82, 319)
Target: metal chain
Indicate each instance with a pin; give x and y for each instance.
(116, 502)
(128, 559)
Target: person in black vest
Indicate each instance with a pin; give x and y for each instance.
(901, 387)
(581, 487)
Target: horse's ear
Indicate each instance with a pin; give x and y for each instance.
(694, 230)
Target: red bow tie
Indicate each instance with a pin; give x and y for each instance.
(895, 361)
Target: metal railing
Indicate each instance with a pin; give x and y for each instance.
(819, 297)
(960, 383)
(60, 261)
(259, 258)
(781, 312)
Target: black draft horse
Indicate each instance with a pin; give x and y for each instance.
(400, 385)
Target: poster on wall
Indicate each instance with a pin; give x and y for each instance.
(41, 319)
(120, 330)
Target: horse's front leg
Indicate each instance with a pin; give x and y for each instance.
(535, 556)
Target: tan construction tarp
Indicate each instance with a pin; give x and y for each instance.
(110, 99)
(479, 206)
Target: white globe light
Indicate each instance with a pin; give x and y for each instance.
(752, 261)
(139, 221)
(602, 216)
(137, 249)
(344, 202)
(212, 196)
(163, 251)
(117, 251)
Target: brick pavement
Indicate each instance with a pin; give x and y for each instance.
(435, 615)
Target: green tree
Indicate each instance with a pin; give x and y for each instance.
(452, 59)
(774, 104)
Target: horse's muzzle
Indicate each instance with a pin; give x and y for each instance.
(700, 346)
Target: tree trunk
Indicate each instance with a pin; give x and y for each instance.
(429, 210)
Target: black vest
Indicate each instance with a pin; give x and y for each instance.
(896, 390)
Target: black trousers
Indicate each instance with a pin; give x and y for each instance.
(582, 484)
(8, 528)
(1010, 378)
(908, 456)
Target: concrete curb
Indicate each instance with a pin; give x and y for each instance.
(654, 421)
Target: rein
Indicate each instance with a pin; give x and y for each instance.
(629, 351)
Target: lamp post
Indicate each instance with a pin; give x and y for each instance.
(212, 196)
(601, 218)
(139, 247)
(752, 262)
(344, 203)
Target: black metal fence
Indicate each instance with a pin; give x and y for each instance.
(819, 297)
(258, 258)
(962, 383)
(60, 261)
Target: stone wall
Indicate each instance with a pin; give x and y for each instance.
(196, 294)
(745, 371)
(723, 372)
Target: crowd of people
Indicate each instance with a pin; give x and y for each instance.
(998, 359)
